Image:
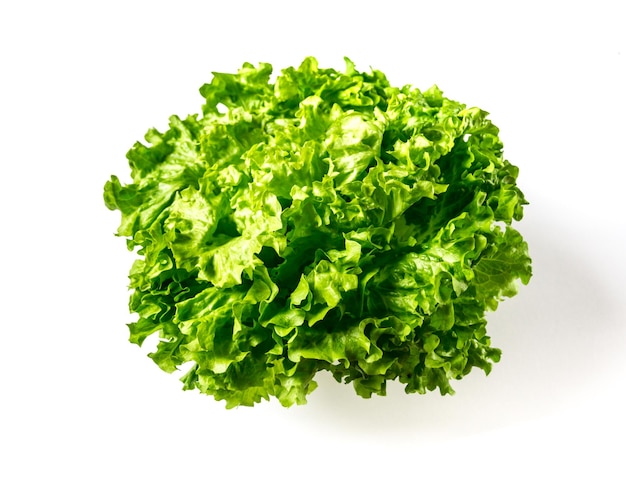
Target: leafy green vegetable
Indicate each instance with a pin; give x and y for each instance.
(323, 221)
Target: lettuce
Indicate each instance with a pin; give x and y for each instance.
(321, 221)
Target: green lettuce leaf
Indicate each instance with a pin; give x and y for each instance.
(323, 220)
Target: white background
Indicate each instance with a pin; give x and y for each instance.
(81, 82)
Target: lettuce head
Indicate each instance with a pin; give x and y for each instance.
(321, 220)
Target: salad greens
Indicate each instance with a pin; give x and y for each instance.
(320, 221)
